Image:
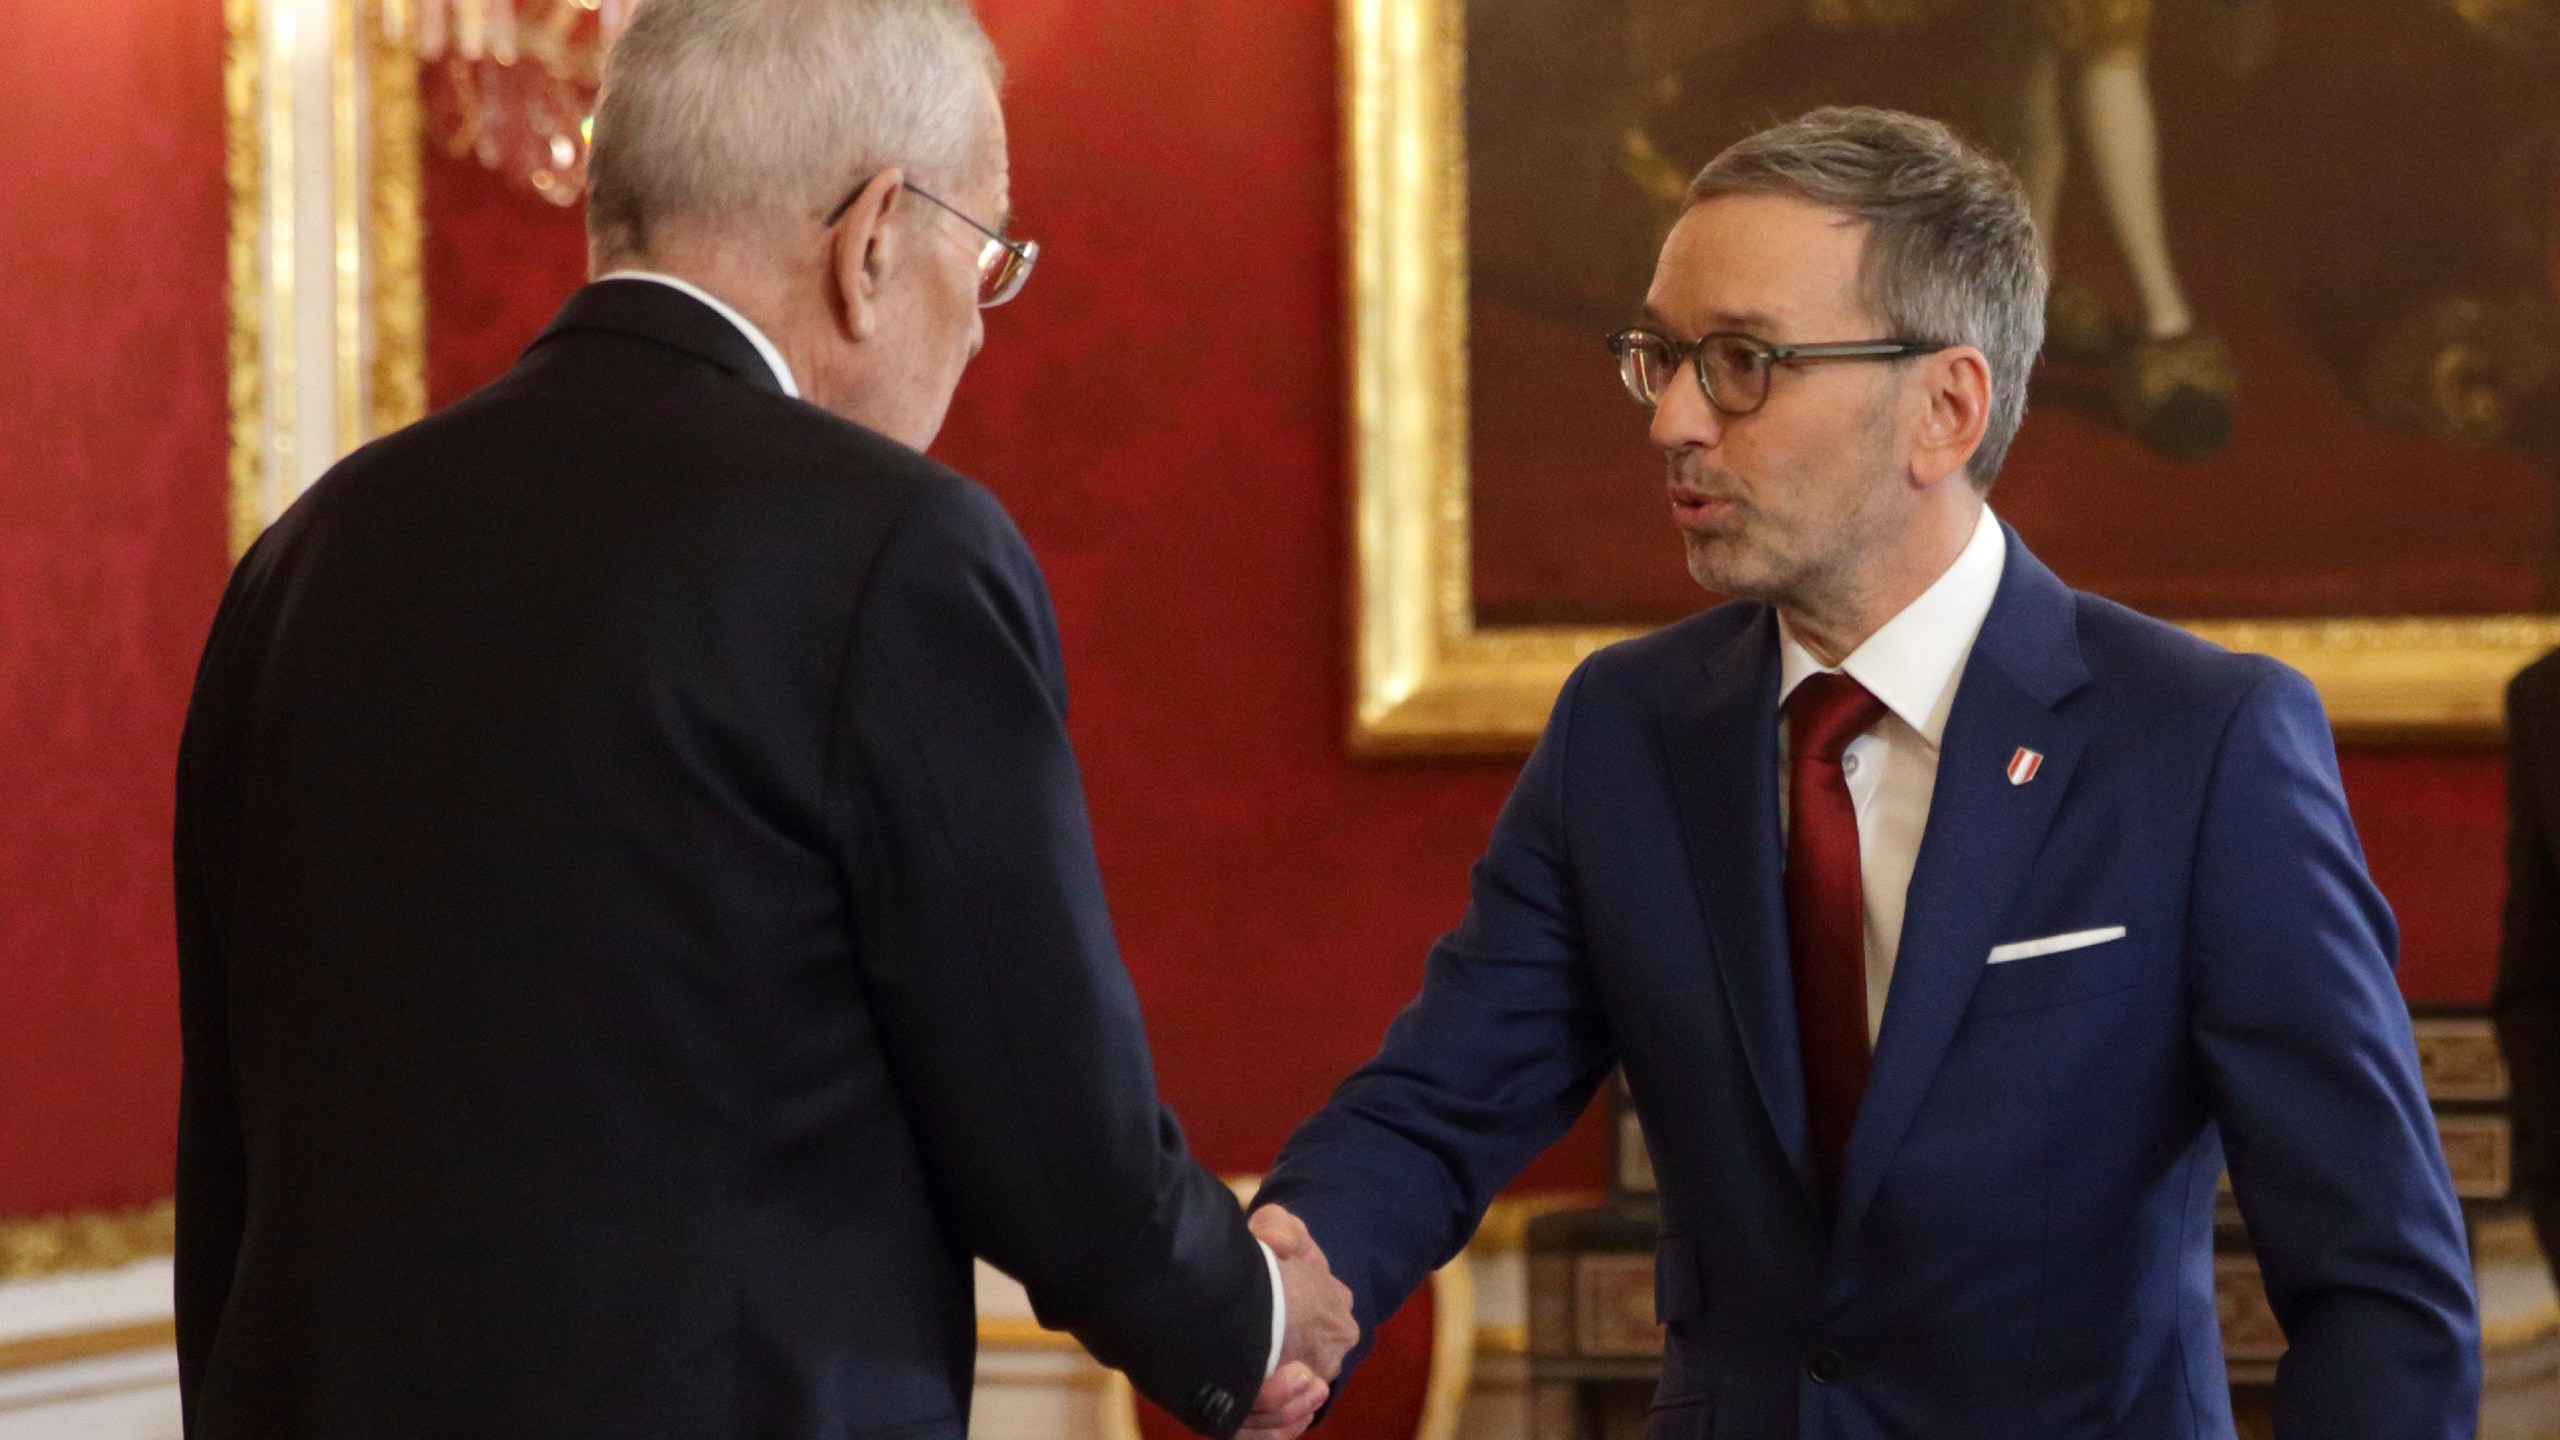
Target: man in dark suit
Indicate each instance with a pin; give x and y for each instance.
(639, 932)
(2528, 996)
(1954, 929)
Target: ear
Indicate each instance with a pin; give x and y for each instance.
(1955, 394)
(861, 250)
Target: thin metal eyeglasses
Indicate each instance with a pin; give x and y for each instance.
(1733, 369)
(1003, 265)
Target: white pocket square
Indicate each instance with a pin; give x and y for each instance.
(2054, 944)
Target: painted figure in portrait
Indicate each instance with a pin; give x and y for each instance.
(2304, 346)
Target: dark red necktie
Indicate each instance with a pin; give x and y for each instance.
(1827, 913)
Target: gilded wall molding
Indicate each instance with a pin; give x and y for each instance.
(45, 1245)
(48, 1350)
(327, 298)
(396, 203)
(86, 1240)
(244, 164)
(1426, 679)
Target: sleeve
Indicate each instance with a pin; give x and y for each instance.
(1488, 1065)
(1007, 1018)
(212, 1161)
(2306, 1048)
(2527, 1000)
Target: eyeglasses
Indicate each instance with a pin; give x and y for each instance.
(1733, 369)
(1003, 265)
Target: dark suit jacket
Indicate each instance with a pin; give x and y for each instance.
(2528, 996)
(640, 938)
(2024, 1237)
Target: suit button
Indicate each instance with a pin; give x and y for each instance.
(1827, 1366)
(1214, 1405)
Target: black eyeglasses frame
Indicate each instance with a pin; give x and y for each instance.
(1770, 355)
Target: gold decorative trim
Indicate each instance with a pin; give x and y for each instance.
(1427, 680)
(2460, 1058)
(1453, 1350)
(244, 168)
(44, 1350)
(375, 358)
(86, 1240)
(350, 123)
(2479, 1152)
(2509, 1334)
(396, 199)
(1119, 1408)
(1010, 1332)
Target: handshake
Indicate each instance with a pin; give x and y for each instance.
(1321, 1331)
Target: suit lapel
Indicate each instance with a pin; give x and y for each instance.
(1720, 732)
(1983, 834)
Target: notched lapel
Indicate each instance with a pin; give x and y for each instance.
(1720, 736)
(1984, 833)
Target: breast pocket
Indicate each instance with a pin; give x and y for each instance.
(2042, 972)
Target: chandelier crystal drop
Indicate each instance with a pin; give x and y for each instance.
(511, 83)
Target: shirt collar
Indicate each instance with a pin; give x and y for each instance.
(764, 344)
(1913, 662)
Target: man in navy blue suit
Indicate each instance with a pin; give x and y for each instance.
(1955, 930)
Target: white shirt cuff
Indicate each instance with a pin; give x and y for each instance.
(1279, 1311)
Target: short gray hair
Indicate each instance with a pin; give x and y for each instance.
(735, 108)
(1951, 253)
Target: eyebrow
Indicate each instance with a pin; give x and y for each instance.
(1752, 321)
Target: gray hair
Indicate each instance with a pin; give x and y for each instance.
(1951, 253)
(774, 108)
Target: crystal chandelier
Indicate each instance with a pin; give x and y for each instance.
(511, 83)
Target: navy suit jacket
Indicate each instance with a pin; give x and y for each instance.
(2023, 1245)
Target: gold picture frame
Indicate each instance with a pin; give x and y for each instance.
(1427, 679)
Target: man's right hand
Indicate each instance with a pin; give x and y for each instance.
(1321, 1330)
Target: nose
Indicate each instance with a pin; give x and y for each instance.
(1684, 418)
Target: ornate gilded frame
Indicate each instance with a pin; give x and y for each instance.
(327, 298)
(1427, 679)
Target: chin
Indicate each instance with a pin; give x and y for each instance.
(1723, 567)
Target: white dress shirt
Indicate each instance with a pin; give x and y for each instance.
(763, 342)
(1913, 665)
(791, 387)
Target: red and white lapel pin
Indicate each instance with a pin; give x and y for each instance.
(2024, 765)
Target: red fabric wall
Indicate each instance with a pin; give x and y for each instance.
(111, 556)
(1162, 411)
